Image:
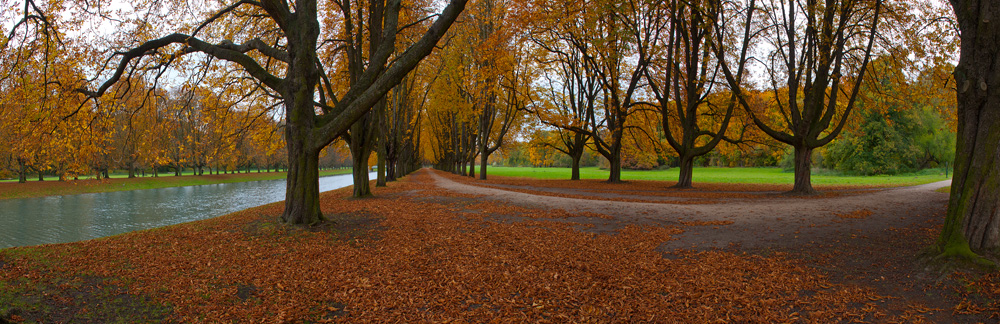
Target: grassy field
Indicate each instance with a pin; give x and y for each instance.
(53, 187)
(725, 175)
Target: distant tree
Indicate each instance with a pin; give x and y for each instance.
(898, 126)
(572, 86)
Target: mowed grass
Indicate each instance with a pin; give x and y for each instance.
(54, 187)
(726, 175)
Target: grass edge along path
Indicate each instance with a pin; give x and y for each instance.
(756, 175)
(32, 189)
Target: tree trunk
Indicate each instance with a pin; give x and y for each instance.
(575, 173)
(380, 176)
(131, 171)
(41, 176)
(483, 158)
(803, 172)
(972, 224)
(302, 186)
(390, 172)
(362, 188)
(361, 150)
(472, 167)
(22, 175)
(686, 167)
(615, 166)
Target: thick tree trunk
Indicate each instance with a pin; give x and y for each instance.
(803, 172)
(974, 205)
(302, 186)
(686, 168)
(576, 153)
(362, 188)
(472, 168)
(972, 224)
(615, 166)
(22, 175)
(575, 173)
(361, 149)
(380, 178)
(390, 172)
(41, 176)
(131, 171)
(483, 158)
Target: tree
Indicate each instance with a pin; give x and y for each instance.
(898, 124)
(972, 223)
(37, 74)
(622, 35)
(310, 124)
(573, 86)
(685, 67)
(817, 47)
(501, 73)
(612, 38)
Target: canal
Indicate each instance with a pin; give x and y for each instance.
(59, 219)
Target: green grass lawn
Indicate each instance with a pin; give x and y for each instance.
(53, 187)
(726, 175)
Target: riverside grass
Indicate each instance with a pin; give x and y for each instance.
(727, 175)
(12, 190)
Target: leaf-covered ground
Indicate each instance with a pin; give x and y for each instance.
(418, 253)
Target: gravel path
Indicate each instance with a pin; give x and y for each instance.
(756, 223)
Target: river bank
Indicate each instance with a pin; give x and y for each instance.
(31, 189)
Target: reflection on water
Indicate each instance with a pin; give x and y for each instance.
(60, 219)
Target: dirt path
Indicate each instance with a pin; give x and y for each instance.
(756, 223)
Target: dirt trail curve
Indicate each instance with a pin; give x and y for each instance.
(756, 223)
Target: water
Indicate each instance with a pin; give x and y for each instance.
(59, 219)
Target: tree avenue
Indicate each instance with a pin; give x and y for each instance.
(836, 84)
(298, 33)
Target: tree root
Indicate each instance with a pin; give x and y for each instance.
(952, 257)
